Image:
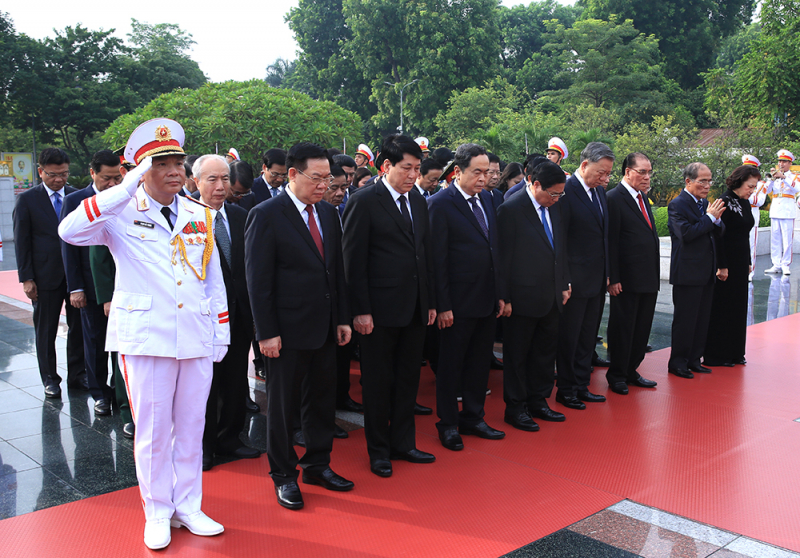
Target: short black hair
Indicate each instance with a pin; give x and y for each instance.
(740, 175)
(336, 170)
(301, 152)
(361, 173)
(104, 157)
(344, 160)
(466, 152)
(548, 174)
(242, 173)
(53, 156)
(275, 156)
(188, 167)
(493, 158)
(429, 165)
(630, 160)
(532, 163)
(333, 152)
(395, 147)
(443, 155)
(191, 159)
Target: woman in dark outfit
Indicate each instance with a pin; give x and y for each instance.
(727, 331)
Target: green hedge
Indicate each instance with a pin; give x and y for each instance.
(660, 214)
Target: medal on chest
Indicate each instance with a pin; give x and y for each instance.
(196, 233)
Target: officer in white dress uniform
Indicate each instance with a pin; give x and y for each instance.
(557, 152)
(756, 199)
(168, 320)
(783, 187)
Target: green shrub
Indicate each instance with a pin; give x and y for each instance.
(763, 219)
(660, 213)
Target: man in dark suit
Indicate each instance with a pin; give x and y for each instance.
(105, 171)
(586, 224)
(271, 182)
(240, 191)
(388, 261)
(41, 271)
(635, 273)
(694, 225)
(469, 296)
(225, 410)
(295, 278)
(534, 265)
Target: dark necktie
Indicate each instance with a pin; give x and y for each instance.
(406, 215)
(700, 206)
(596, 201)
(547, 230)
(275, 191)
(312, 228)
(223, 240)
(425, 193)
(167, 213)
(644, 211)
(57, 204)
(479, 216)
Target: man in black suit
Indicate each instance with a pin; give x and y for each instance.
(225, 410)
(388, 261)
(271, 182)
(586, 224)
(635, 273)
(694, 225)
(534, 265)
(105, 171)
(469, 296)
(41, 271)
(240, 191)
(295, 278)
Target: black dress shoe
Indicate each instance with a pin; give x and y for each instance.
(451, 440)
(421, 410)
(261, 371)
(600, 362)
(299, 439)
(52, 391)
(414, 456)
(619, 387)
(482, 430)
(521, 421)
(648, 348)
(351, 406)
(570, 401)
(241, 452)
(700, 368)
(381, 467)
(496, 364)
(328, 480)
(718, 363)
(289, 495)
(128, 430)
(681, 372)
(339, 432)
(740, 361)
(102, 407)
(208, 462)
(251, 406)
(589, 397)
(642, 382)
(548, 414)
(81, 384)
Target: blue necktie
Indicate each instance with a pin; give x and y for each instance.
(547, 230)
(479, 216)
(700, 206)
(596, 201)
(57, 204)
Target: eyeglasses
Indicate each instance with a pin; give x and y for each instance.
(705, 182)
(278, 174)
(56, 174)
(318, 179)
(557, 196)
(239, 195)
(643, 172)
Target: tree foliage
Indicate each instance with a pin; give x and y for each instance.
(250, 116)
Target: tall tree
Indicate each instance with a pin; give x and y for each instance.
(688, 31)
(279, 72)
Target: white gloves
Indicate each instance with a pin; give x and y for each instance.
(134, 176)
(219, 352)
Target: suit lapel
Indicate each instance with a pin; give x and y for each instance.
(580, 192)
(291, 213)
(328, 220)
(47, 205)
(388, 203)
(533, 217)
(634, 206)
(464, 206)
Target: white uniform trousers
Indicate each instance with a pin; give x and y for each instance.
(781, 242)
(168, 402)
(754, 236)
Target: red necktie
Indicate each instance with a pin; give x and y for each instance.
(312, 228)
(644, 211)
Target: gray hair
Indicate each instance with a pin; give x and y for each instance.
(691, 171)
(466, 152)
(198, 164)
(595, 151)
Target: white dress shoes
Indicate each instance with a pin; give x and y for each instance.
(157, 534)
(198, 523)
(773, 269)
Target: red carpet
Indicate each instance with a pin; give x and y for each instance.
(11, 287)
(720, 449)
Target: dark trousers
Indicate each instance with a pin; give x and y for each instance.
(465, 354)
(690, 324)
(307, 379)
(390, 358)
(529, 359)
(226, 413)
(121, 390)
(46, 313)
(577, 337)
(629, 323)
(430, 349)
(344, 354)
(93, 327)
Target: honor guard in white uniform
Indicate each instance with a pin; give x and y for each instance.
(423, 144)
(783, 187)
(168, 320)
(557, 151)
(756, 199)
(363, 156)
